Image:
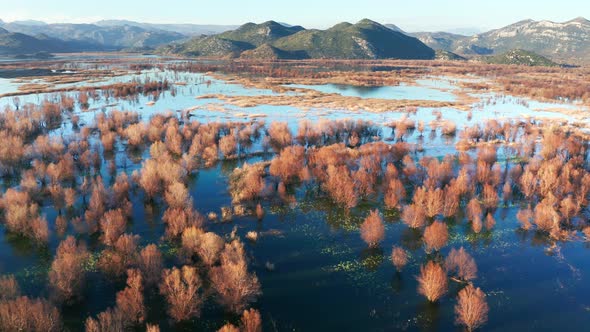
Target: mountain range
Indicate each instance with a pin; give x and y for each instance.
(566, 42)
(364, 40)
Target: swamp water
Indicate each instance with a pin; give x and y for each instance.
(316, 272)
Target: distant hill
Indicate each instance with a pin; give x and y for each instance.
(184, 29)
(364, 40)
(520, 57)
(567, 42)
(21, 44)
(448, 56)
(102, 37)
(258, 34)
(439, 40)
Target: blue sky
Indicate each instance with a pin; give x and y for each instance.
(411, 15)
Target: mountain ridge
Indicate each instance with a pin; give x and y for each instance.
(364, 40)
(567, 41)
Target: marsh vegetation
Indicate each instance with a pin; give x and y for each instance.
(172, 216)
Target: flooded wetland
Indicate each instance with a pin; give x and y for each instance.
(296, 195)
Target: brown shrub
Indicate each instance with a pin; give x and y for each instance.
(471, 309)
(399, 257)
(490, 222)
(179, 219)
(97, 205)
(67, 275)
(177, 196)
(546, 218)
(525, 218)
(568, 208)
(108, 141)
(259, 211)
(61, 225)
(121, 188)
(477, 225)
(210, 247)
(152, 328)
(474, 210)
(528, 183)
(251, 321)
(109, 320)
(452, 199)
(280, 135)
(115, 261)
(413, 216)
(9, 289)
(112, 224)
(288, 164)
(149, 179)
(490, 197)
(228, 146)
(173, 140)
(340, 186)
(246, 183)
(70, 197)
(436, 236)
(394, 193)
(372, 229)
(25, 314)
(182, 290)
(22, 216)
(364, 182)
(432, 281)
(236, 287)
(135, 134)
(191, 239)
(461, 264)
(434, 202)
(151, 264)
(130, 300)
(228, 328)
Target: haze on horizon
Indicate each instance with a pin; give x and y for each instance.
(420, 15)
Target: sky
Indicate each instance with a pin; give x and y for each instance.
(410, 15)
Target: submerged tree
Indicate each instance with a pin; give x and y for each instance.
(399, 257)
(432, 281)
(372, 229)
(182, 290)
(461, 264)
(471, 309)
(436, 236)
(236, 287)
(25, 314)
(67, 275)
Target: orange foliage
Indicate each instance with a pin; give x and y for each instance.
(460, 263)
(432, 281)
(130, 300)
(436, 236)
(472, 308)
(372, 229)
(236, 287)
(151, 263)
(67, 274)
(399, 257)
(413, 216)
(182, 290)
(25, 314)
